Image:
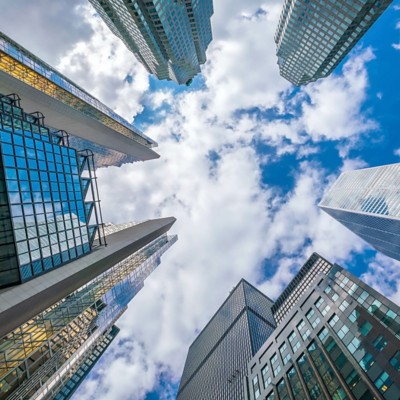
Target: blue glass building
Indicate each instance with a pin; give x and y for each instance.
(44, 215)
(314, 36)
(367, 201)
(168, 37)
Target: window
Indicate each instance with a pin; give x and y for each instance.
(310, 314)
(256, 387)
(367, 362)
(301, 325)
(323, 334)
(354, 345)
(383, 382)
(380, 343)
(365, 328)
(294, 342)
(266, 376)
(284, 353)
(271, 396)
(354, 315)
(276, 367)
(395, 361)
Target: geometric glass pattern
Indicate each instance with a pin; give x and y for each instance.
(339, 342)
(313, 36)
(44, 193)
(168, 37)
(24, 66)
(367, 201)
(217, 359)
(39, 358)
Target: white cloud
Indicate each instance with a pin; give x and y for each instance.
(334, 110)
(396, 46)
(47, 29)
(104, 67)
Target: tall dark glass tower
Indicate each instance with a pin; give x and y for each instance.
(168, 37)
(217, 360)
(313, 36)
(337, 338)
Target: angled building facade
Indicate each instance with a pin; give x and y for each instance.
(217, 360)
(340, 340)
(367, 201)
(168, 37)
(69, 108)
(49, 215)
(313, 36)
(48, 355)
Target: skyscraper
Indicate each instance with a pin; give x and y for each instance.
(367, 201)
(64, 278)
(313, 36)
(337, 338)
(168, 37)
(48, 355)
(68, 107)
(217, 359)
(49, 198)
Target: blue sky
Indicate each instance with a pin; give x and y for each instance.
(245, 159)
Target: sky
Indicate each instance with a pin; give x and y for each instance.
(245, 159)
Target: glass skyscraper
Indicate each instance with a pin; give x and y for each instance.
(313, 36)
(367, 201)
(49, 355)
(168, 37)
(44, 185)
(65, 278)
(337, 339)
(89, 123)
(217, 360)
(327, 336)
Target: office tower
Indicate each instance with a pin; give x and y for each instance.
(367, 201)
(337, 338)
(69, 108)
(313, 36)
(217, 359)
(49, 353)
(49, 198)
(168, 37)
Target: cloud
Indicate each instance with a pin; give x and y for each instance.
(383, 274)
(334, 109)
(104, 67)
(57, 26)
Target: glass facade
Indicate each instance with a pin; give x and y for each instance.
(313, 36)
(40, 357)
(367, 201)
(90, 359)
(24, 66)
(217, 359)
(45, 215)
(168, 37)
(351, 352)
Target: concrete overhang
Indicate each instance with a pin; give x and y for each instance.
(21, 303)
(61, 116)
